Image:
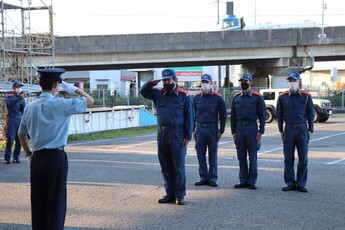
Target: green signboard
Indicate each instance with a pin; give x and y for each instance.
(188, 71)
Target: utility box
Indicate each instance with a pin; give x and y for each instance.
(229, 8)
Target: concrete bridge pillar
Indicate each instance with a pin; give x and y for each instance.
(264, 70)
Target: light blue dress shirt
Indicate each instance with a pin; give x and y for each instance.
(47, 119)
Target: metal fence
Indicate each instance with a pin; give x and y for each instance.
(103, 98)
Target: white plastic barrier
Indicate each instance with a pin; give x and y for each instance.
(103, 119)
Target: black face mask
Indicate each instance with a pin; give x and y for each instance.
(244, 85)
(169, 87)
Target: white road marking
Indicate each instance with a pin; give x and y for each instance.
(334, 162)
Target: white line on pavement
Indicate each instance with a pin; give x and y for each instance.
(334, 162)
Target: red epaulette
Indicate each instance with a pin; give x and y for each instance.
(198, 93)
(180, 90)
(237, 94)
(216, 93)
(304, 92)
(285, 92)
(255, 92)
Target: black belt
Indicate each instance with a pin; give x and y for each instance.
(206, 125)
(295, 126)
(169, 127)
(246, 122)
(61, 148)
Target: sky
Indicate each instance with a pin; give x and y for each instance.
(103, 17)
(110, 17)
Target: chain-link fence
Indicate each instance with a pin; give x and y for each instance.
(103, 98)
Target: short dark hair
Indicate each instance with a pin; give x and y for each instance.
(47, 83)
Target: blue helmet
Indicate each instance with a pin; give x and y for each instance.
(17, 83)
(168, 73)
(206, 77)
(294, 75)
(246, 77)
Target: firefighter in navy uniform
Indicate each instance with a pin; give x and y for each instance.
(247, 106)
(209, 107)
(15, 106)
(175, 119)
(295, 108)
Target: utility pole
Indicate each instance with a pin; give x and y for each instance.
(324, 7)
(217, 2)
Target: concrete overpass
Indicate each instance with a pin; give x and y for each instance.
(261, 52)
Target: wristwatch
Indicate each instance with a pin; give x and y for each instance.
(28, 154)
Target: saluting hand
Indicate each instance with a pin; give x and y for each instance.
(155, 82)
(22, 95)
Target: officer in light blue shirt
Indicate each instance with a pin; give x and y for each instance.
(46, 121)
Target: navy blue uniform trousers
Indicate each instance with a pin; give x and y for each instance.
(11, 135)
(171, 154)
(48, 173)
(246, 145)
(206, 138)
(296, 138)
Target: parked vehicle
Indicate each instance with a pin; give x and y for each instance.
(323, 109)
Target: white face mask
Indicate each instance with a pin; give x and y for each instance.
(18, 90)
(293, 85)
(205, 86)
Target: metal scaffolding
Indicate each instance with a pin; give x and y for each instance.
(22, 39)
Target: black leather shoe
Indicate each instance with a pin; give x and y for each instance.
(213, 184)
(16, 161)
(199, 183)
(288, 188)
(7, 162)
(302, 189)
(166, 199)
(241, 185)
(179, 201)
(253, 186)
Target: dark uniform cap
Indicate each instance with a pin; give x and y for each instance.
(294, 75)
(168, 73)
(206, 77)
(246, 77)
(52, 73)
(17, 83)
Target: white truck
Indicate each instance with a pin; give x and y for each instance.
(323, 107)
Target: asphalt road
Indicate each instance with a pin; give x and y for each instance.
(115, 184)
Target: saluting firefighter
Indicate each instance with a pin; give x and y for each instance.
(15, 103)
(175, 119)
